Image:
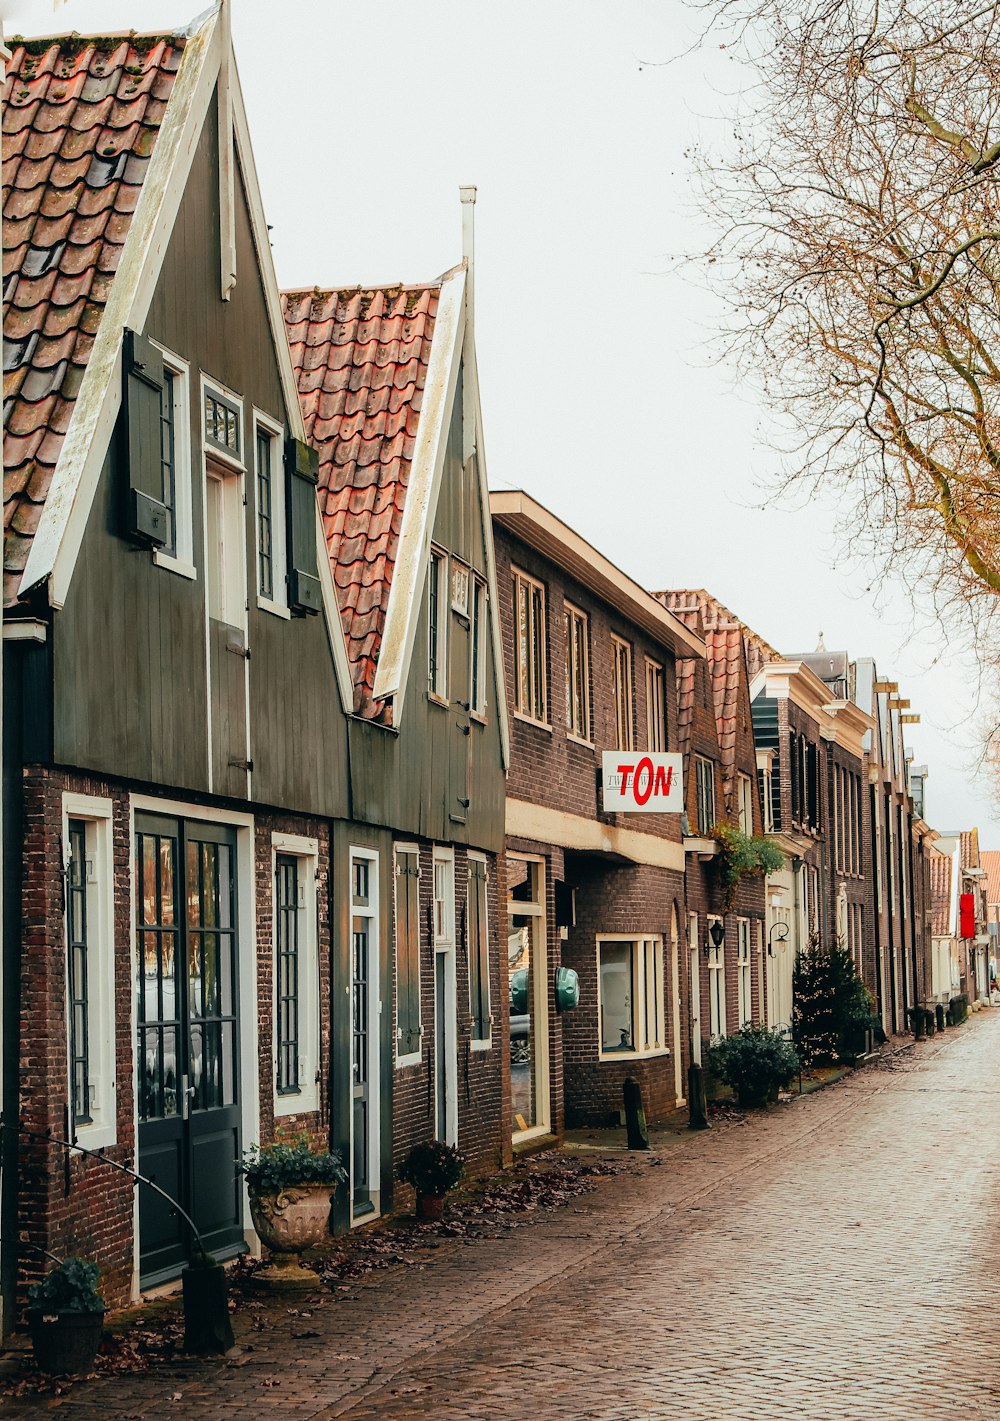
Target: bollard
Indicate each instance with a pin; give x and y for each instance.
(635, 1116)
(697, 1105)
(207, 1328)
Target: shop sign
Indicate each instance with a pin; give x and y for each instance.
(641, 782)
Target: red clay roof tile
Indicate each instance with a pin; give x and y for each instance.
(361, 356)
(940, 871)
(79, 125)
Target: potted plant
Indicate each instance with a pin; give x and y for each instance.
(756, 1062)
(66, 1317)
(290, 1185)
(432, 1168)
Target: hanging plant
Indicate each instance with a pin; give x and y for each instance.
(743, 856)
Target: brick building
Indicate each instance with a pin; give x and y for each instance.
(726, 979)
(590, 662)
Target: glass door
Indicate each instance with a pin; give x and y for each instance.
(187, 1049)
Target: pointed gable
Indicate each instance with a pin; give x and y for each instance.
(725, 652)
(81, 120)
(714, 614)
(361, 357)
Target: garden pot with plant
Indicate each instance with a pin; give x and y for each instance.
(433, 1168)
(290, 1186)
(756, 1063)
(65, 1316)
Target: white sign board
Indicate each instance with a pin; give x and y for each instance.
(641, 782)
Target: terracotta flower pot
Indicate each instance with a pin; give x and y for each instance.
(289, 1222)
(67, 1343)
(430, 1206)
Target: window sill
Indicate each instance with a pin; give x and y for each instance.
(486, 1045)
(605, 1056)
(579, 740)
(97, 1136)
(437, 700)
(177, 565)
(530, 720)
(275, 608)
(305, 1103)
(480, 717)
(405, 1063)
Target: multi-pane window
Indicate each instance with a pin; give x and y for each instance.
(621, 685)
(79, 987)
(744, 977)
(90, 976)
(408, 1023)
(437, 624)
(704, 777)
(767, 783)
(478, 947)
(716, 985)
(286, 914)
(630, 976)
(271, 559)
(577, 675)
(177, 549)
(296, 974)
(223, 419)
(477, 678)
(529, 647)
(744, 790)
(656, 716)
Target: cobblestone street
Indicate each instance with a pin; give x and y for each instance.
(837, 1258)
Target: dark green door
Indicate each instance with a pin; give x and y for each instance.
(188, 1053)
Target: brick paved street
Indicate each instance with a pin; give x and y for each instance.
(836, 1259)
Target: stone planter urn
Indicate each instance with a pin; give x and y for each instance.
(289, 1222)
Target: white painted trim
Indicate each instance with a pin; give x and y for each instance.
(421, 498)
(482, 1043)
(102, 995)
(172, 564)
(182, 559)
(638, 943)
(26, 629)
(535, 909)
(415, 1058)
(306, 1100)
(227, 161)
(277, 603)
(446, 946)
(374, 914)
(56, 544)
(572, 831)
(472, 391)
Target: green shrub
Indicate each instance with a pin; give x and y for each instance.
(432, 1167)
(831, 1006)
(756, 1062)
(272, 1168)
(70, 1287)
(742, 856)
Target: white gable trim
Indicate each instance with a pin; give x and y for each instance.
(421, 494)
(491, 567)
(56, 544)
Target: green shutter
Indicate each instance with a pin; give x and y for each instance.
(478, 939)
(407, 952)
(302, 476)
(145, 519)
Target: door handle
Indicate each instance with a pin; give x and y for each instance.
(187, 1091)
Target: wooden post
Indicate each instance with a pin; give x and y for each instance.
(697, 1105)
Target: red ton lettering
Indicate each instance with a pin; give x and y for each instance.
(651, 785)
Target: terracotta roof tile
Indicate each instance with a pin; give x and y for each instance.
(685, 702)
(970, 848)
(990, 860)
(940, 869)
(713, 613)
(726, 655)
(79, 125)
(361, 356)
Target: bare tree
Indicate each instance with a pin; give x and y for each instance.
(858, 213)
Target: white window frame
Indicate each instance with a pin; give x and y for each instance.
(277, 603)
(656, 707)
(373, 1066)
(483, 1043)
(716, 982)
(437, 684)
(306, 1099)
(530, 655)
(225, 396)
(101, 1035)
(574, 617)
(745, 806)
(700, 760)
(744, 971)
(621, 656)
(647, 1018)
(479, 621)
(413, 1058)
(222, 467)
(181, 560)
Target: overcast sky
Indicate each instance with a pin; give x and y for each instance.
(601, 394)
